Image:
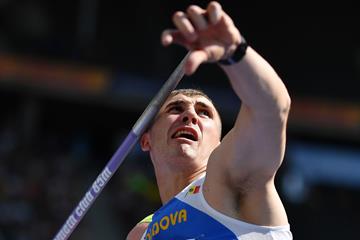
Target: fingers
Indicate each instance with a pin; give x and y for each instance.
(170, 36)
(184, 25)
(167, 37)
(197, 17)
(206, 32)
(195, 59)
(214, 12)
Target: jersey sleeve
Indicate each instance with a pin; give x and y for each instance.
(148, 219)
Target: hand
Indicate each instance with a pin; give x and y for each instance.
(209, 33)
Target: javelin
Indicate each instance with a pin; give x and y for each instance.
(137, 130)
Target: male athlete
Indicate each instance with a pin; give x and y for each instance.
(212, 189)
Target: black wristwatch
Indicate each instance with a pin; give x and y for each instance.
(237, 55)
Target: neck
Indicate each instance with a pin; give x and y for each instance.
(171, 182)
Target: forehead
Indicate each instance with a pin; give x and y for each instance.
(189, 100)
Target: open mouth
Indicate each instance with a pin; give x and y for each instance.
(182, 133)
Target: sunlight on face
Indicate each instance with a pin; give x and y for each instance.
(186, 128)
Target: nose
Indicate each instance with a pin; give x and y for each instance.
(190, 116)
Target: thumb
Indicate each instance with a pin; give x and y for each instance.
(194, 60)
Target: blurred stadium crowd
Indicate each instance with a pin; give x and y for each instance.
(44, 171)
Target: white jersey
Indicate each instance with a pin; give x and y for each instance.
(189, 217)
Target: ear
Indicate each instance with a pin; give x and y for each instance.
(145, 142)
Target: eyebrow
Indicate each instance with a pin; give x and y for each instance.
(182, 102)
(175, 103)
(202, 104)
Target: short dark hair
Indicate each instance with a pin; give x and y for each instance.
(189, 92)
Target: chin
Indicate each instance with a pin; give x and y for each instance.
(188, 151)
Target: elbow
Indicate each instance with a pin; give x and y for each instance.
(272, 103)
(284, 106)
(275, 109)
(281, 101)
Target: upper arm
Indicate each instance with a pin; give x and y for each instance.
(242, 169)
(137, 232)
(252, 150)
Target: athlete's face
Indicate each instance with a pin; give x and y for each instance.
(185, 128)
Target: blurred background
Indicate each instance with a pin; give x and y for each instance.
(76, 75)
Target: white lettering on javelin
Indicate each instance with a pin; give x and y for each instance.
(84, 204)
(101, 180)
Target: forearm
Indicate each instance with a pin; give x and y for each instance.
(257, 140)
(258, 86)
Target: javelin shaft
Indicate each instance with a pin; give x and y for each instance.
(138, 129)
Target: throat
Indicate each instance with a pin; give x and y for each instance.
(172, 182)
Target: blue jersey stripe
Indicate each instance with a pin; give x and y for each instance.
(178, 220)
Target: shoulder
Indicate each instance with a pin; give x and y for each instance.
(137, 232)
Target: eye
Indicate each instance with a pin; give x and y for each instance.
(204, 112)
(175, 109)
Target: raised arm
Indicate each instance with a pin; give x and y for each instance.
(241, 171)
